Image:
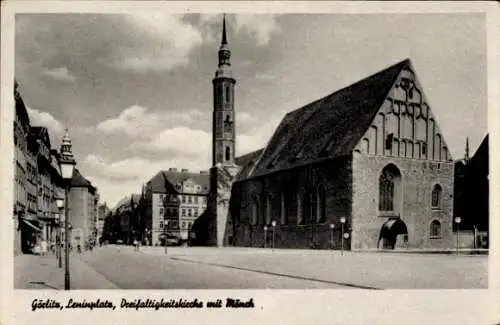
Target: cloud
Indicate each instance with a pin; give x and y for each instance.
(60, 74)
(261, 27)
(39, 118)
(160, 42)
(116, 179)
(180, 141)
(258, 137)
(264, 76)
(134, 121)
(138, 121)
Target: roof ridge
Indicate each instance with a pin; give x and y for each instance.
(349, 110)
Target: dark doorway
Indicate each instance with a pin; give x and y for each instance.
(393, 234)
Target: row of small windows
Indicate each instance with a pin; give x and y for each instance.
(174, 212)
(310, 207)
(174, 225)
(189, 199)
(390, 190)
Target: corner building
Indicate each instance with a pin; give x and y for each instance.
(372, 153)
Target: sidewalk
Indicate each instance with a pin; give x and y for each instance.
(42, 272)
(369, 269)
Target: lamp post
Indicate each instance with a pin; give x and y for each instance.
(346, 236)
(274, 231)
(67, 165)
(342, 222)
(265, 236)
(457, 221)
(60, 206)
(332, 227)
(165, 228)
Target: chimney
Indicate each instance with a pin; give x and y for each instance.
(184, 170)
(172, 169)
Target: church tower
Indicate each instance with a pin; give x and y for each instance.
(223, 128)
(224, 169)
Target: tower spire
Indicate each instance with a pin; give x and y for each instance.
(224, 37)
(466, 158)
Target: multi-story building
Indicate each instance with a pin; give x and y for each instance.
(23, 222)
(102, 213)
(81, 210)
(48, 175)
(175, 199)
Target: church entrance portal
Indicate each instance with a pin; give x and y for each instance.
(393, 234)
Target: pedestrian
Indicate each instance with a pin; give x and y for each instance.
(43, 247)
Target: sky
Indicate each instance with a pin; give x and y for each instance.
(135, 90)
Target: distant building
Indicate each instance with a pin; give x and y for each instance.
(471, 199)
(102, 213)
(82, 211)
(174, 199)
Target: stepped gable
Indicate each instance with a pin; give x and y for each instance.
(329, 127)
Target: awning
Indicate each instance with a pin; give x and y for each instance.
(32, 225)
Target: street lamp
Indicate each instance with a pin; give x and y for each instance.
(60, 206)
(265, 236)
(342, 222)
(332, 227)
(457, 221)
(274, 230)
(67, 165)
(346, 236)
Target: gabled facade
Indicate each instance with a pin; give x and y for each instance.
(371, 154)
(174, 199)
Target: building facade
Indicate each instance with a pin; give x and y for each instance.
(23, 232)
(369, 169)
(102, 213)
(82, 210)
(175, 199)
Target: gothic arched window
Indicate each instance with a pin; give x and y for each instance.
(255, 211)
(389, 188)
(268, 210)
(320, 204)
(228, 153)
(435, 229)
(436, 196)
(228, 93)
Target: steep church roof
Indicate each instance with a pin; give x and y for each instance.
(247, 162)
(329, 127)
(165, 181)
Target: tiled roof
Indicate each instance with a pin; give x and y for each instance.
(79, 181)
(329, 127)
(41, 132)
(21, 110)
(165, 181)
(247, 162)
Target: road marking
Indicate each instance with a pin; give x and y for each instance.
(278, 274)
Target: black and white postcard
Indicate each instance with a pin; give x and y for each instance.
(264, 162)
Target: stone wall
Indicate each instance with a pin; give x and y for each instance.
(418, 179)
(335, 175)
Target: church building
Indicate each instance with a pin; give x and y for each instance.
(365, 167)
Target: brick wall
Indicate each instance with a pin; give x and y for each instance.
(335, 175)
(418, 179)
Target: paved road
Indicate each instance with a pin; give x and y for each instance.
(120, 267)
(138, 270)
